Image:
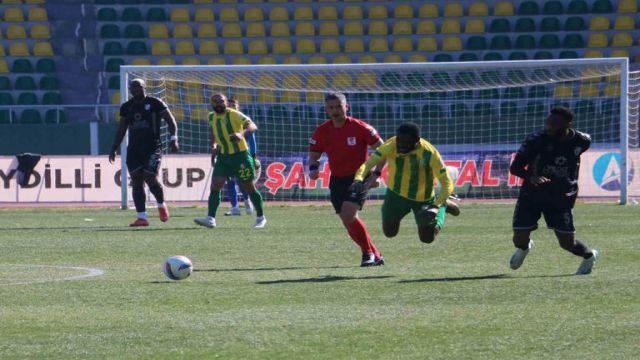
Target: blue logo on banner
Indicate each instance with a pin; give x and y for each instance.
(606, 171)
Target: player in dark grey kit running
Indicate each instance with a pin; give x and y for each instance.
(549, 163)
(142, 116)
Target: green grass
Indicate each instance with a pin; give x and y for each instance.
(293, 290)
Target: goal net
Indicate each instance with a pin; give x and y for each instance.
(475, 113)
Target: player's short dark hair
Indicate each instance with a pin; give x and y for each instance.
(409, 128)
(565, 112)
(219, 94)
(137, 81)
(336, 96)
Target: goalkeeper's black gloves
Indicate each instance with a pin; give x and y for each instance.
(430, 212)
(357, 186)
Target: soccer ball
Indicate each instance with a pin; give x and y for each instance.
(453, 172)
(177, 267)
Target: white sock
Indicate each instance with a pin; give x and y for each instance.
(142, 215)
(161, 205)
(210, 218)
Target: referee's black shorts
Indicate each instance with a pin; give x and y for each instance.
(339, 188)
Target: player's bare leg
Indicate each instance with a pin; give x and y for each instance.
(523, 243)
(256, 199)
(214, 202)
(571, 244)
(139, 198)
(360, 234)
(156, 189)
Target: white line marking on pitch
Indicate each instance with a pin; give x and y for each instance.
(90, 272)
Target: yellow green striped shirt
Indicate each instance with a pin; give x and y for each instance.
(411, 175)
(226, 124)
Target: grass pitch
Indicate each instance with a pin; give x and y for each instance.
(294, 290)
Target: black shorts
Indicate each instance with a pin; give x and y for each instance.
(147, 161)
(339, 187)
(558, 214)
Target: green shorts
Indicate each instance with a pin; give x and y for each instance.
(238, 165)
(396, 207)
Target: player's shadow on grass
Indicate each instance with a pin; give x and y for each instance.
(460, 278)
(273, 268)
(322, 279)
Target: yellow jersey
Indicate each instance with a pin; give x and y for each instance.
(226, 124)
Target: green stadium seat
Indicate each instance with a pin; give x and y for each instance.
(5, 83)
(180, 1)
(433, 112)
(525, 25)
(500, 42)
(27, 98)
(573, 41)
(129, 2)
(463, 95)
(459, 111)
(602, 7)
(52, 98)
(575, 23)
(107, 14)
(304, 113)
(131, 15)
(578, 7)
(513, 93)
(539, 91)
(553, 8)
(585, 109)
(381, 112)
(441, 78)
(49, 83)
(542, 55)
(7, 117)
(6, 98)
(114, 82)
(509, 109)
(156, 14)
(568, 54)
(109, 31)
(518, 55)
(134, 31)
(30, 116)
(550, 25)
(278, 113)
(500, 26)
(137, 48)
(46, 66)
(489, 94)
(468, 57)
(25, 83)
(105, 2)
(525, 42)
(476, 43)
(549, 41)
(154, 2)
(483, 110)
(113, 64)
(528, 8)
(113, 48)
(410, 111)
(443, 58)
(493, 56)
(390, 79)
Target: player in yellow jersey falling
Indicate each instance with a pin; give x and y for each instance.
(413, 165)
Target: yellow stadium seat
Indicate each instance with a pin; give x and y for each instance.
(329, 29)
(353, 28)
(452, 44)
(180, 15)
(563, 91)
(231, 30)
(209, 47)
(200, 113)
(258, 47)
(342, 80)
(474, 26)
(253, 14)
(11, 2)
(453, 9)
(4, 67)
(305, 46)
(305, 29)
(403, 12)
(612, 90)
(378, 28)
(115, 98)
(216, 61)
(291, 82)
(158, 31)
(241, 60)
(599, 23)
(479, 9)
(203, 1)
(256, 30)
(280, 30)
(2, 53)
(229, 15)
(378, 45)
(317, 60)
(16, 32)
(185, 48)
(342, 59)
(182, 31)
(141, 61)
(593, 54)
(354, 45)
(366, 81)
(619, 53)
(378, 12)
(191, 61)
(426, 44)
(40, 32)
(503, 8)
(303, 14)
(402, 44)
(267, 60)
(292, 60)
(598, 41)
(13, 15)
(328, 13)
(450, 26)
(352, 12)
(38, 14)
(622, 40)
(329, 46)
(428, 11)
(316, 82)
(426, 27)
(266, 82)
(628, 6)
(392, 59)
(34, 2)
(367, 59)
(204, 15)
(625, 23)
(417, 58)
(589, 90)
(402, 28)
(178, 112)
(279, 14)
(281, 47)
(19, 49)
(207, 31)
(43, 49)
(233, 47)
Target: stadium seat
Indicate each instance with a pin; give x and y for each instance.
(402, 44)
(158, 31)
(598, 40)
(5, 83)
(538, 91)
(13, 15)
(500, 42)
(619, 53)
(241, 60)
(27, 98)
(378, 28)
(453, 10)
(628, 6)
(474, 26)
(578, 7)
(217, 60)
(525, 25)
(573, 41)
(209, 47)
(426, 27)
(229, 15)
(30, 116)
(367, 59)
(112, 48)
(55, 116)
(542, 55)
(19, 49)
(279, 14)
(2, 52)
(156, 15)
(392, 59)
(231, 30)
(6, 98)
(25, 82)
(599, 23)
(352, 12)
(204, 15)
(49, 83)
(468, 57)
(625, 23)
(303, 14)
(402, 28)
(500, 26)
(258, 47)
(20, 66)
(602, 7)
(107, 14)
(342, 80)
(550, 24)
(450, 26)
(233, 47)
(612, 90)
(328, 13)
(528, 8)
(180, 15)
(52, 98)
(141, 61)
(378, 12)
(317, 60)
(329, 29)
(593, 54)
(329, 46)
(479, 9)
(428, 11)
(253, 14)
(427, 44)
(452, 44)
(256, 30)
(503, 8)
(549, 41)
(403, 12)
(160, 48)
(7, 117)
(182, 31)
(589, 90)
(575, 23)
(568, 54)
(134, 31)
(354, 45)
(15, 32)
(378, 45)
(281, 47)
(622, 40)
(305, 46)
(418, 58)
(291, 82)
(267, 60)
(137, 48)
(207, 31)
(307, 29)
(185, 48)
(553, 8)
(280, 30)
(477, 43)
(563, 91)
(342, 59)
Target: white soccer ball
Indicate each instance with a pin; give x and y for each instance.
(178, 267)
(453, 172)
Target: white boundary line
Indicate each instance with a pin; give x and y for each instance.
(90, 272)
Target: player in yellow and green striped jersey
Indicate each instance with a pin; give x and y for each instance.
(413, 165)
(230, 157)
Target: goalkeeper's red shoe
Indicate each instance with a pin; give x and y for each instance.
(139, 222)
(164, 213)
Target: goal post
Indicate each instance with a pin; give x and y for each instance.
(475, 113)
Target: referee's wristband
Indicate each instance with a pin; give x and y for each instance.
(314, 167)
